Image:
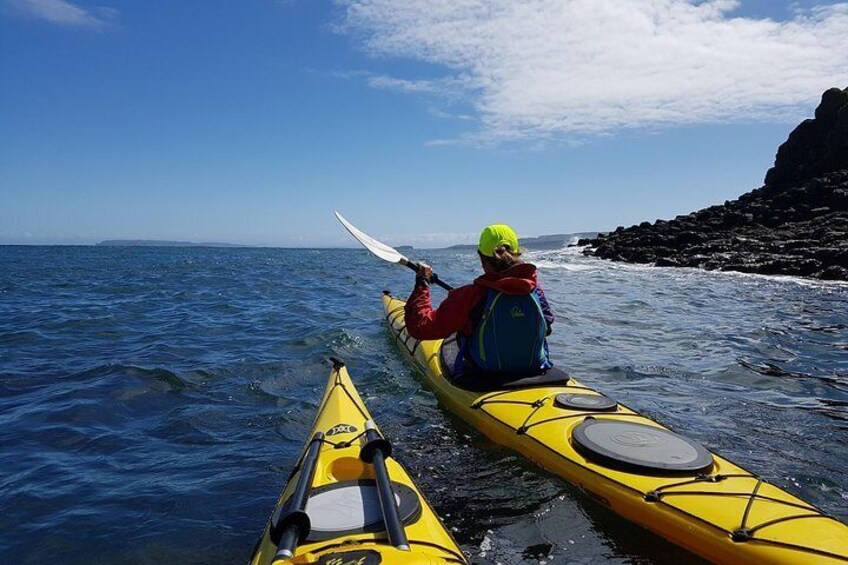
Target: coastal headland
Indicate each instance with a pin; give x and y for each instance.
(795, 224)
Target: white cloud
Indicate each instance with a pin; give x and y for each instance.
(61, 12)
(390, 83)
(546, 69)
(439, 113)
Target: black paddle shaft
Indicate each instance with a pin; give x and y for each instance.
(434, 278)
(290, 525)
(374, 451)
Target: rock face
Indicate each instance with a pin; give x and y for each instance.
(796, 224)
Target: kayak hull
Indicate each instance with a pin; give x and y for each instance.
(724, 514)
(341, 419)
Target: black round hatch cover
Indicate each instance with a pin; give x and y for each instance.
(594, 402)
(639, 448)
(353, 507)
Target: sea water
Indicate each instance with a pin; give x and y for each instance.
(154, 400)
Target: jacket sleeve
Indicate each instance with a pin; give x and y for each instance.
(424, 322)
(546, 308)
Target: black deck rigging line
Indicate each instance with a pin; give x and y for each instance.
(338, 383)
(750, 504)
(522, 429)
(796, 547)
(576, 387)
(355, 403)
(480, 402)
(393, 312)
(348, 546)
(787, 519)
(743, 533)
(401, 329)
(717, 478)
(343, 444)
(587, 414)
(746, 535)
(433, 544)
(663, 495)
(490, 398)
(520, 402)
(660, 492)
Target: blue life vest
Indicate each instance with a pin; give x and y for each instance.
(509, 338)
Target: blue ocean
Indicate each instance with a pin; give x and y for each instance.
(153, 400)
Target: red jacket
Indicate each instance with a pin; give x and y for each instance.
(456, 312)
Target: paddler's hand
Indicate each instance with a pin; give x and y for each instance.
(424, 273)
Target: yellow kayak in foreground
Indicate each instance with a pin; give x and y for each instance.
(333, 508)
(638, 468)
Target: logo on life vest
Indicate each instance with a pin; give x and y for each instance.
(516, 312)
(341, 429)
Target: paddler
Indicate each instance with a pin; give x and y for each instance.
(501, 319)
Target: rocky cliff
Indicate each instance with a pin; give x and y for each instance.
(795, 224)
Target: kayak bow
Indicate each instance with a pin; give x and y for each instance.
(337, 506)
(638, 468)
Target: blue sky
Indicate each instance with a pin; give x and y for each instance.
(250, 122)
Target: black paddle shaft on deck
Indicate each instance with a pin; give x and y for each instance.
(375, 451)
(290, 525)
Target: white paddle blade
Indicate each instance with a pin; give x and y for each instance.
(378, 248)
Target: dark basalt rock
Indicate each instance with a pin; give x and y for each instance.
(795, 224)
(815, 147)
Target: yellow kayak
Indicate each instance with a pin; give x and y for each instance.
(641, 470)
(334, 509)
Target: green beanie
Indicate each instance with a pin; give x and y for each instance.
(495, 236)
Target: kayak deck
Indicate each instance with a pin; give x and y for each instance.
(342, 418)
(723, 512)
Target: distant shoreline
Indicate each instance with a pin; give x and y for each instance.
(551, 241)
(162, 243)
(540, 242)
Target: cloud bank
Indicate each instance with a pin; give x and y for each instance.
(63, 13)
(541, 69)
